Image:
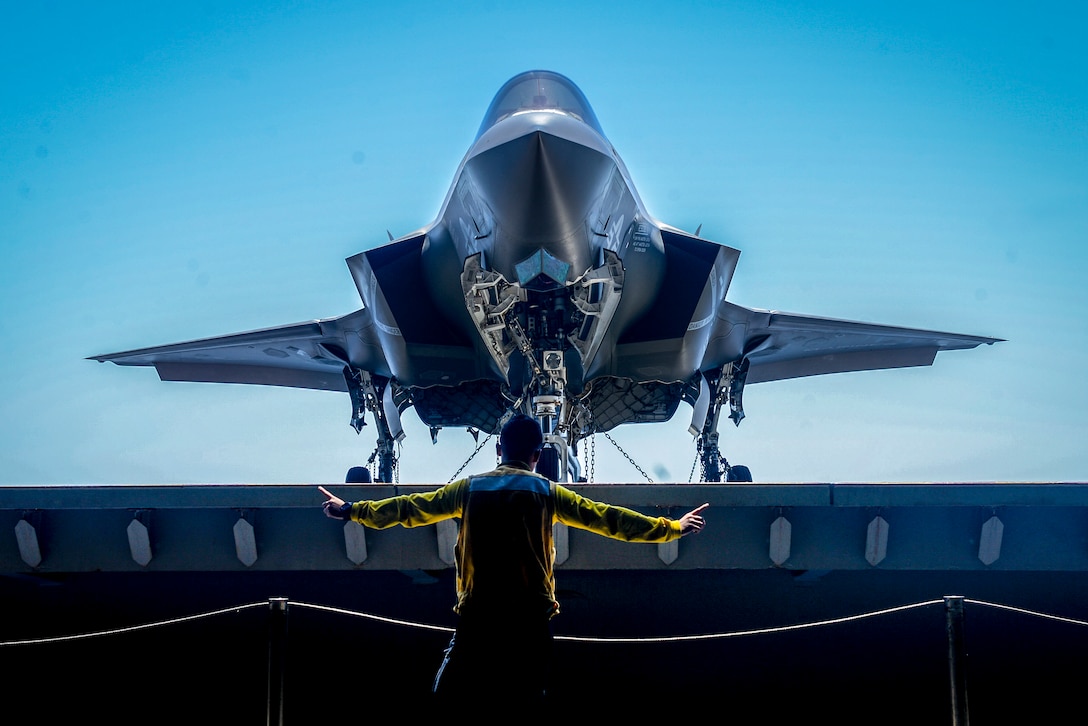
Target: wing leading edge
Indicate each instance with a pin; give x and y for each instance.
(779, 346)
(303, 355)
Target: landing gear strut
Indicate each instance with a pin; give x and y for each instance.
(369, 393)
(721, 386)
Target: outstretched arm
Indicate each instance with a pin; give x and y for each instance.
(693, 521)
(409, 510)
(621, 523)
(334, 506)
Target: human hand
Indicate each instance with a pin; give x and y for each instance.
(693, 521)
(334, 506)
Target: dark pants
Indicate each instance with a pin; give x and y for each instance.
(508, 654)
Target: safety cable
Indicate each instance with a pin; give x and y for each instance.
(133, 628)
(569, 638)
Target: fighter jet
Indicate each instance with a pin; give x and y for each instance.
(544, 286)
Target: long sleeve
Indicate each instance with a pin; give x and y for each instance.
(412, 510)
(611, 521)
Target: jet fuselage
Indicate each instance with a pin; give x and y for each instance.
(545, 286)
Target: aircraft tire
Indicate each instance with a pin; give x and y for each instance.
(548, 466)
(739, 473)
(358, 475)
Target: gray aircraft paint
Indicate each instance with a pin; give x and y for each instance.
(543, 276)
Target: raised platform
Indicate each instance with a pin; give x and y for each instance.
(76, 559)
(985, 527)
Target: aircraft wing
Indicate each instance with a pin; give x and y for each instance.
(303, 355)
(784, 345)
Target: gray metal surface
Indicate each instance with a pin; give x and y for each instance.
(830, 527)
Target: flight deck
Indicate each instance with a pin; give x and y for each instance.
(797, 599)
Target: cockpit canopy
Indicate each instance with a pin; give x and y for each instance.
(539, 91)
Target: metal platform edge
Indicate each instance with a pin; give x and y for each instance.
(1012, 526)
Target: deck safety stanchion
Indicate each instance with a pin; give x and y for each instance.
(957, 658)
(277, 658)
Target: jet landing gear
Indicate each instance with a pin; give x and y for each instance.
(374, 394)
(717, 387)
(714, 464)
(555, 461)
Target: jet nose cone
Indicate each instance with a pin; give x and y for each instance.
(540, 186)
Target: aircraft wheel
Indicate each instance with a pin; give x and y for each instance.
(358, 475)
(739, 473)
(548, 466)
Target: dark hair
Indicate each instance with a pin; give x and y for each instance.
(520, 438)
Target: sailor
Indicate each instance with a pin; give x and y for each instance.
(505, 557)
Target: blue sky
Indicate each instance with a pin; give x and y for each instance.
(176, 172)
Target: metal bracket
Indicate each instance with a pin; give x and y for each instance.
(489, 297)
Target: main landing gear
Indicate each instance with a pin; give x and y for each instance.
(374, 394)
(718, 388)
